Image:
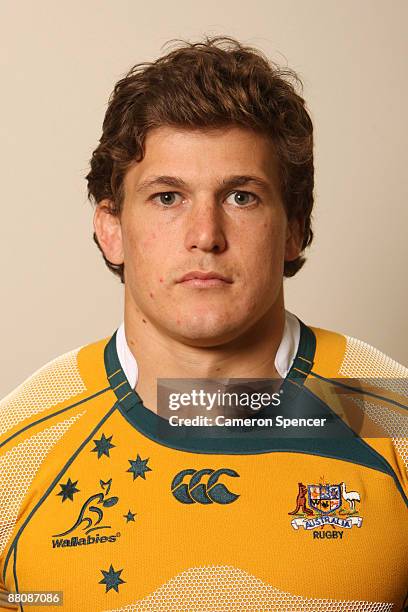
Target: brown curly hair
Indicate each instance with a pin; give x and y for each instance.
(209, 84)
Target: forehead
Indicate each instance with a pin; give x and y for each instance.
(203, 157)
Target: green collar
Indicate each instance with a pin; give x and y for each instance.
(242, 440)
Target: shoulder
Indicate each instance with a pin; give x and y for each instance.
(37, 426)
(67, 379)
(369, 374)
(372, 390)
(339, 355)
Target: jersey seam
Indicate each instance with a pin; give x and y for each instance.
(15, 578)
(388, 468)
(363, 392)
(49, 416)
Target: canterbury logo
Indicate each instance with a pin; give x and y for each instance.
(203, 492)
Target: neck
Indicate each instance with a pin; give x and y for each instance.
(251, 355)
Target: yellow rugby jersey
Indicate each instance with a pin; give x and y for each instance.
(99, 502)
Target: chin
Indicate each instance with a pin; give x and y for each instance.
(208, 331)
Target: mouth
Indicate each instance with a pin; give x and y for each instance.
(202, 280)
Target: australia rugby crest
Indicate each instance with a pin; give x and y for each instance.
(323, 504)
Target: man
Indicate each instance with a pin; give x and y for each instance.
(203, 184)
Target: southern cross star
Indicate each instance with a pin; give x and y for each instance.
(103, 446)
(130, 516)
(68, 490)
(111, 579)
(138, 467)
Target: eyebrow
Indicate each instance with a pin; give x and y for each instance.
(238, 180)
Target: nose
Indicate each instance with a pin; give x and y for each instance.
(204, 228)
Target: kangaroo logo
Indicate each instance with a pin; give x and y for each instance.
(301, 501)
(200, 492)
(90, 516)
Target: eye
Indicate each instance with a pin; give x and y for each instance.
(241, 198)
(166, 198)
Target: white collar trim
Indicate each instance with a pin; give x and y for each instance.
(284, 356)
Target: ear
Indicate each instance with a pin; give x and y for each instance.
(108, 230)
(294, 239)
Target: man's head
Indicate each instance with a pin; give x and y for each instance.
(224, 137)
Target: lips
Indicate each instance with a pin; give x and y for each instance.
(204, 276)
(204, 280)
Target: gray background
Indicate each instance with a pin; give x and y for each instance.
(59, 62)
